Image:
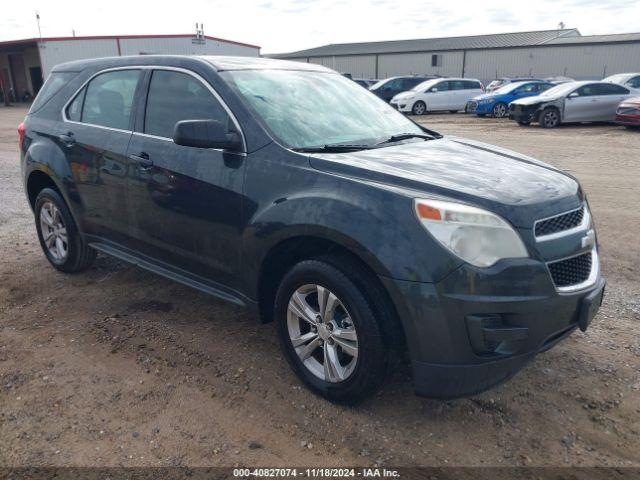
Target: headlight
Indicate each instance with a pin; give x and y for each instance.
(477, 236)
(486, 100)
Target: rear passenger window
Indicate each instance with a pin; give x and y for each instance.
(109, 98)
(611, 89)
(176, 96)
(471, 85)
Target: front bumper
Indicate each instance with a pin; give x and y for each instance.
(632, 120)
(403, 106)
(478, 108)
(473, 330)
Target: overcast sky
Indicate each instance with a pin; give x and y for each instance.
(287, 25)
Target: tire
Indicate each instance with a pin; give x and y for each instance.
(549, 118)
(67, 252)
(499, 110)
(354, 379)
(419, 108)
(524, 124)
(453, 111)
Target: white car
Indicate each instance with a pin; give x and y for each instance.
(439, 94)
(626, 79)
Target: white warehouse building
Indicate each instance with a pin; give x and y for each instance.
(545, 53)
(24, 64)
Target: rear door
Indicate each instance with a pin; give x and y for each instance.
(185, 202)
(94, 134)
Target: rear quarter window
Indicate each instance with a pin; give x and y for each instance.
(55, 82)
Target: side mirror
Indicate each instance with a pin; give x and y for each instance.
(434, 89)
(573, 95)
(206, 134)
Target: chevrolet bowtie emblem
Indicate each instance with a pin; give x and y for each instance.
(589, 240)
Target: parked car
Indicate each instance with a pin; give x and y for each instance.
(628, 113)
(497, 102)
(501, 82)
(389, 87)
(365, 82)
(631, 80)
(439, 94)
(288, 189)
(571, 102)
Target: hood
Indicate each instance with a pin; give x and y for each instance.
(519, 188)
(535, 99)
(407, 94)
(484, 96)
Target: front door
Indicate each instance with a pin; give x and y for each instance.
(95, 135)
(439, 97)
(185, 202)
(581, 108)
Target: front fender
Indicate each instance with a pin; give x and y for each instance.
(375, 222)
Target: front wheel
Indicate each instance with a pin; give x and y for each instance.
(58, 234)
(419, 108)
(550, 118)
(329, 332)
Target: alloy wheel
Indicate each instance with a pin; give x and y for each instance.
(322, 333)
(550, 118)
(419, 108)
(54, 232)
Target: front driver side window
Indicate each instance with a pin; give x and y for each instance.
(175, 96)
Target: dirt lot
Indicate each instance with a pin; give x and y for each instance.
(117, 366)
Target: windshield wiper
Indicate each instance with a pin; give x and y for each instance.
(333, 148)
(405, 136)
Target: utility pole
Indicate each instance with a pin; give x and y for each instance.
(38, 22)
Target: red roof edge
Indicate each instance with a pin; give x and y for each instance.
(123, 37)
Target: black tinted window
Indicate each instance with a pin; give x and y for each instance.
(109, 99)
(611, 89)
(634, 82)
(409, 83)
(442, 86)
(588, 90)
(54, 83)
(471, 85)
(175, 96)
(457, 85)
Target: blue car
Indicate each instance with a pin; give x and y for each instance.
(497, 102)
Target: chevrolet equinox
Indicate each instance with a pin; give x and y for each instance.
(288, 189)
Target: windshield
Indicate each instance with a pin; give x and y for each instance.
(559, 90)
(311, 109)
(425, 85)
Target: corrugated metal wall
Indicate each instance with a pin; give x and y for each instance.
(390, 65)
(359, 66)
(183, 46)
(55, 52)
(582, 62)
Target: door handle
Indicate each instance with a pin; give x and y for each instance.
(143, 160)
(67, 139)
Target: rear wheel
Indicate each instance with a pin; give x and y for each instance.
(499, 110)
(58, 234)
(329, 332)
(550, 118)
(419, 108)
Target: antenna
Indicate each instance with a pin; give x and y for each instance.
(38, 22)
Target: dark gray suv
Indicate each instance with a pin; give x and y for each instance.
(289, 189)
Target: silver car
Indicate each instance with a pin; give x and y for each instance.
(571, 102)
(625, 79)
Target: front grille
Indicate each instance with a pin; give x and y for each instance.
(571, 271)
(472, 106)
(559, 223)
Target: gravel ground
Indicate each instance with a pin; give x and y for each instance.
(117, 366)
